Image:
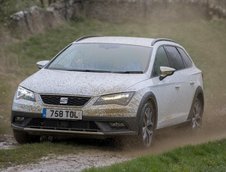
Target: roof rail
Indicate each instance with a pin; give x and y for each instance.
(84, 37)
(161, 39)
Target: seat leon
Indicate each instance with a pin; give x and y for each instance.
(109, 86)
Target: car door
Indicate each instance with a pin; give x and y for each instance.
(166, 91)
(182, 87)
(189, 74)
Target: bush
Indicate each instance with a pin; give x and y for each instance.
(8, 7)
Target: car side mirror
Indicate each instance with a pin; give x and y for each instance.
(42, 64)
(166, 71)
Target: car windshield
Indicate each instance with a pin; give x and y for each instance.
(101, 57)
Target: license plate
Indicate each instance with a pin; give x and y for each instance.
(61, 114)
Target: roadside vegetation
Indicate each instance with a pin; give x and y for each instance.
(8, 7)
(32, 152)
(206, 157)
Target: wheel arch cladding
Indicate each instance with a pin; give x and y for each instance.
(198, 93)
(147, 96)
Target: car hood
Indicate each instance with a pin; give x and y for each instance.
(48, 81)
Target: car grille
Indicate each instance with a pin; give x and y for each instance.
(71, 100)
(63, 125)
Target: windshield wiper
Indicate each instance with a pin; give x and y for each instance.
(104, 71)
(88, 70)
(130, 72)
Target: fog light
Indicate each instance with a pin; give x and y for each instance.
(19, 119)
(117, 125)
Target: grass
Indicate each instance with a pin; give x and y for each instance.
(206, 157)
(32, 152)
(4, 115)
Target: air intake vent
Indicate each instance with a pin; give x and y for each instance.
(64, 100)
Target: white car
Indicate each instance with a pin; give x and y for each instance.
(109, 86)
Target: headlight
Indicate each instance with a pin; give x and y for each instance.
(119, 98)
(23, 93)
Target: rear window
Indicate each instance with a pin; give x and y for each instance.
(187, 60)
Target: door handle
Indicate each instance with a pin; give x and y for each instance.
(192, 83)
(177, 86)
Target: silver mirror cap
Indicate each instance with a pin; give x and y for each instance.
(166, 71)
(42, 64)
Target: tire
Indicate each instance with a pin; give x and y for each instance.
(23, 138)
(197, 112)
(147, 124)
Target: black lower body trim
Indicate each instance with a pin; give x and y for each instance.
(105, 126)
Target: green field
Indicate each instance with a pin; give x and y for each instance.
(207, 157)
(204, 40)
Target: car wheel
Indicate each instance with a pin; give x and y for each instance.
(147, 124)
(197, 113)
(23, 138)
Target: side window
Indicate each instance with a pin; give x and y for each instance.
(187, 61)
(174, 58)
(160, 60)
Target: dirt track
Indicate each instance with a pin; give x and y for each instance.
(106, 154)
(75, 163)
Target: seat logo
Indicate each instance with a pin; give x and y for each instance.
(63, 100)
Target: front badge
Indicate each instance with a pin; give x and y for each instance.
(63, 100)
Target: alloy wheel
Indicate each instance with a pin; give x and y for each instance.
(197, 114)
(148, 125)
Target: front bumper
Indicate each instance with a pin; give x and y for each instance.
(33, 123)
(102, 120)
